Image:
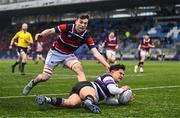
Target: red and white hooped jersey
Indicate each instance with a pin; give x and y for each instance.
(145, 44)
(69, 40)
(111, 43)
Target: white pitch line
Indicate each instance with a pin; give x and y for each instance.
(135, 89)
(158, 87)
(5, 97)
(70, 75)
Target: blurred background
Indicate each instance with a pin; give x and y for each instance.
(130, 19)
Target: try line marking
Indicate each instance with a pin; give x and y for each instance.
(135, 89)
(67, 76)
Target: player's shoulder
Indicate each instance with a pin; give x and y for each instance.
(70, 25)
(106, 76)
(63, 25)
(86, 33)
(28, 33)
(66, 27)
(19, 32)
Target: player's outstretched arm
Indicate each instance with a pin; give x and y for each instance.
(11, 44)
(103, 44)
(114, 90)
(139, 47)
(126, 87)
(152, 46)
(100, 58)
(117, 46)
(45, 33)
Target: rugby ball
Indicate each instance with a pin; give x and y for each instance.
(125, 97)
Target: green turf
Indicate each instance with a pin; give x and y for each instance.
(152, 103)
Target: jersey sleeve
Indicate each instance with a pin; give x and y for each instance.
(60, 28)
(108, 80)
(114, 90)
(151, 42)
(90, 43)
(30, 38)
(16, 36)
(112, 86)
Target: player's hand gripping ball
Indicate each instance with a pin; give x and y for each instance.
(126, 97)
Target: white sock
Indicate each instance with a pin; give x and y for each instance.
(48, 99)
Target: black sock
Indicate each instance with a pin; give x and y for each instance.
(22, 66)
(56, 101)
(15, 64)
(90, 98)
(140, 64)
(33, 83)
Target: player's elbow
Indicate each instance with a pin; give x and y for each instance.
(113, 91)
(47, 32)
(51, 31)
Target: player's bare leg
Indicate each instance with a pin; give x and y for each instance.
(112, 60)
(77, 68)
(88, 95)
(37, 59)
(141, 64)
(72, 101)
(42, 58)
(46, 75)
(18, 61)
(23, 62)
(14, 65)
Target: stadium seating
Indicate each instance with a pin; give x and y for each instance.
(168, 33)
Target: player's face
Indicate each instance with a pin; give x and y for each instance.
(111, 35)
(146, 37)
(24, 27)
(81, 25)
(118, 75)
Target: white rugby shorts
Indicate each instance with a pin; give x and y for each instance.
(54, 58)
(110, 53)
(144, 53)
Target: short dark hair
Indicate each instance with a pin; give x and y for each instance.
(146, 34)
(117, 67)
(83, 16)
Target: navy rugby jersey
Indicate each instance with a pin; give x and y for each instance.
(69, 40)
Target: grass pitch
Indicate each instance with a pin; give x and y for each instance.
(157, 91)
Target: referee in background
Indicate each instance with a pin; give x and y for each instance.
(21, 40)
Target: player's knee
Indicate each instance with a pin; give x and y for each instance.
(24, 58)
(112, 60)
(143, 58)
(72, 103)
(47, 73)
(77, 68)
